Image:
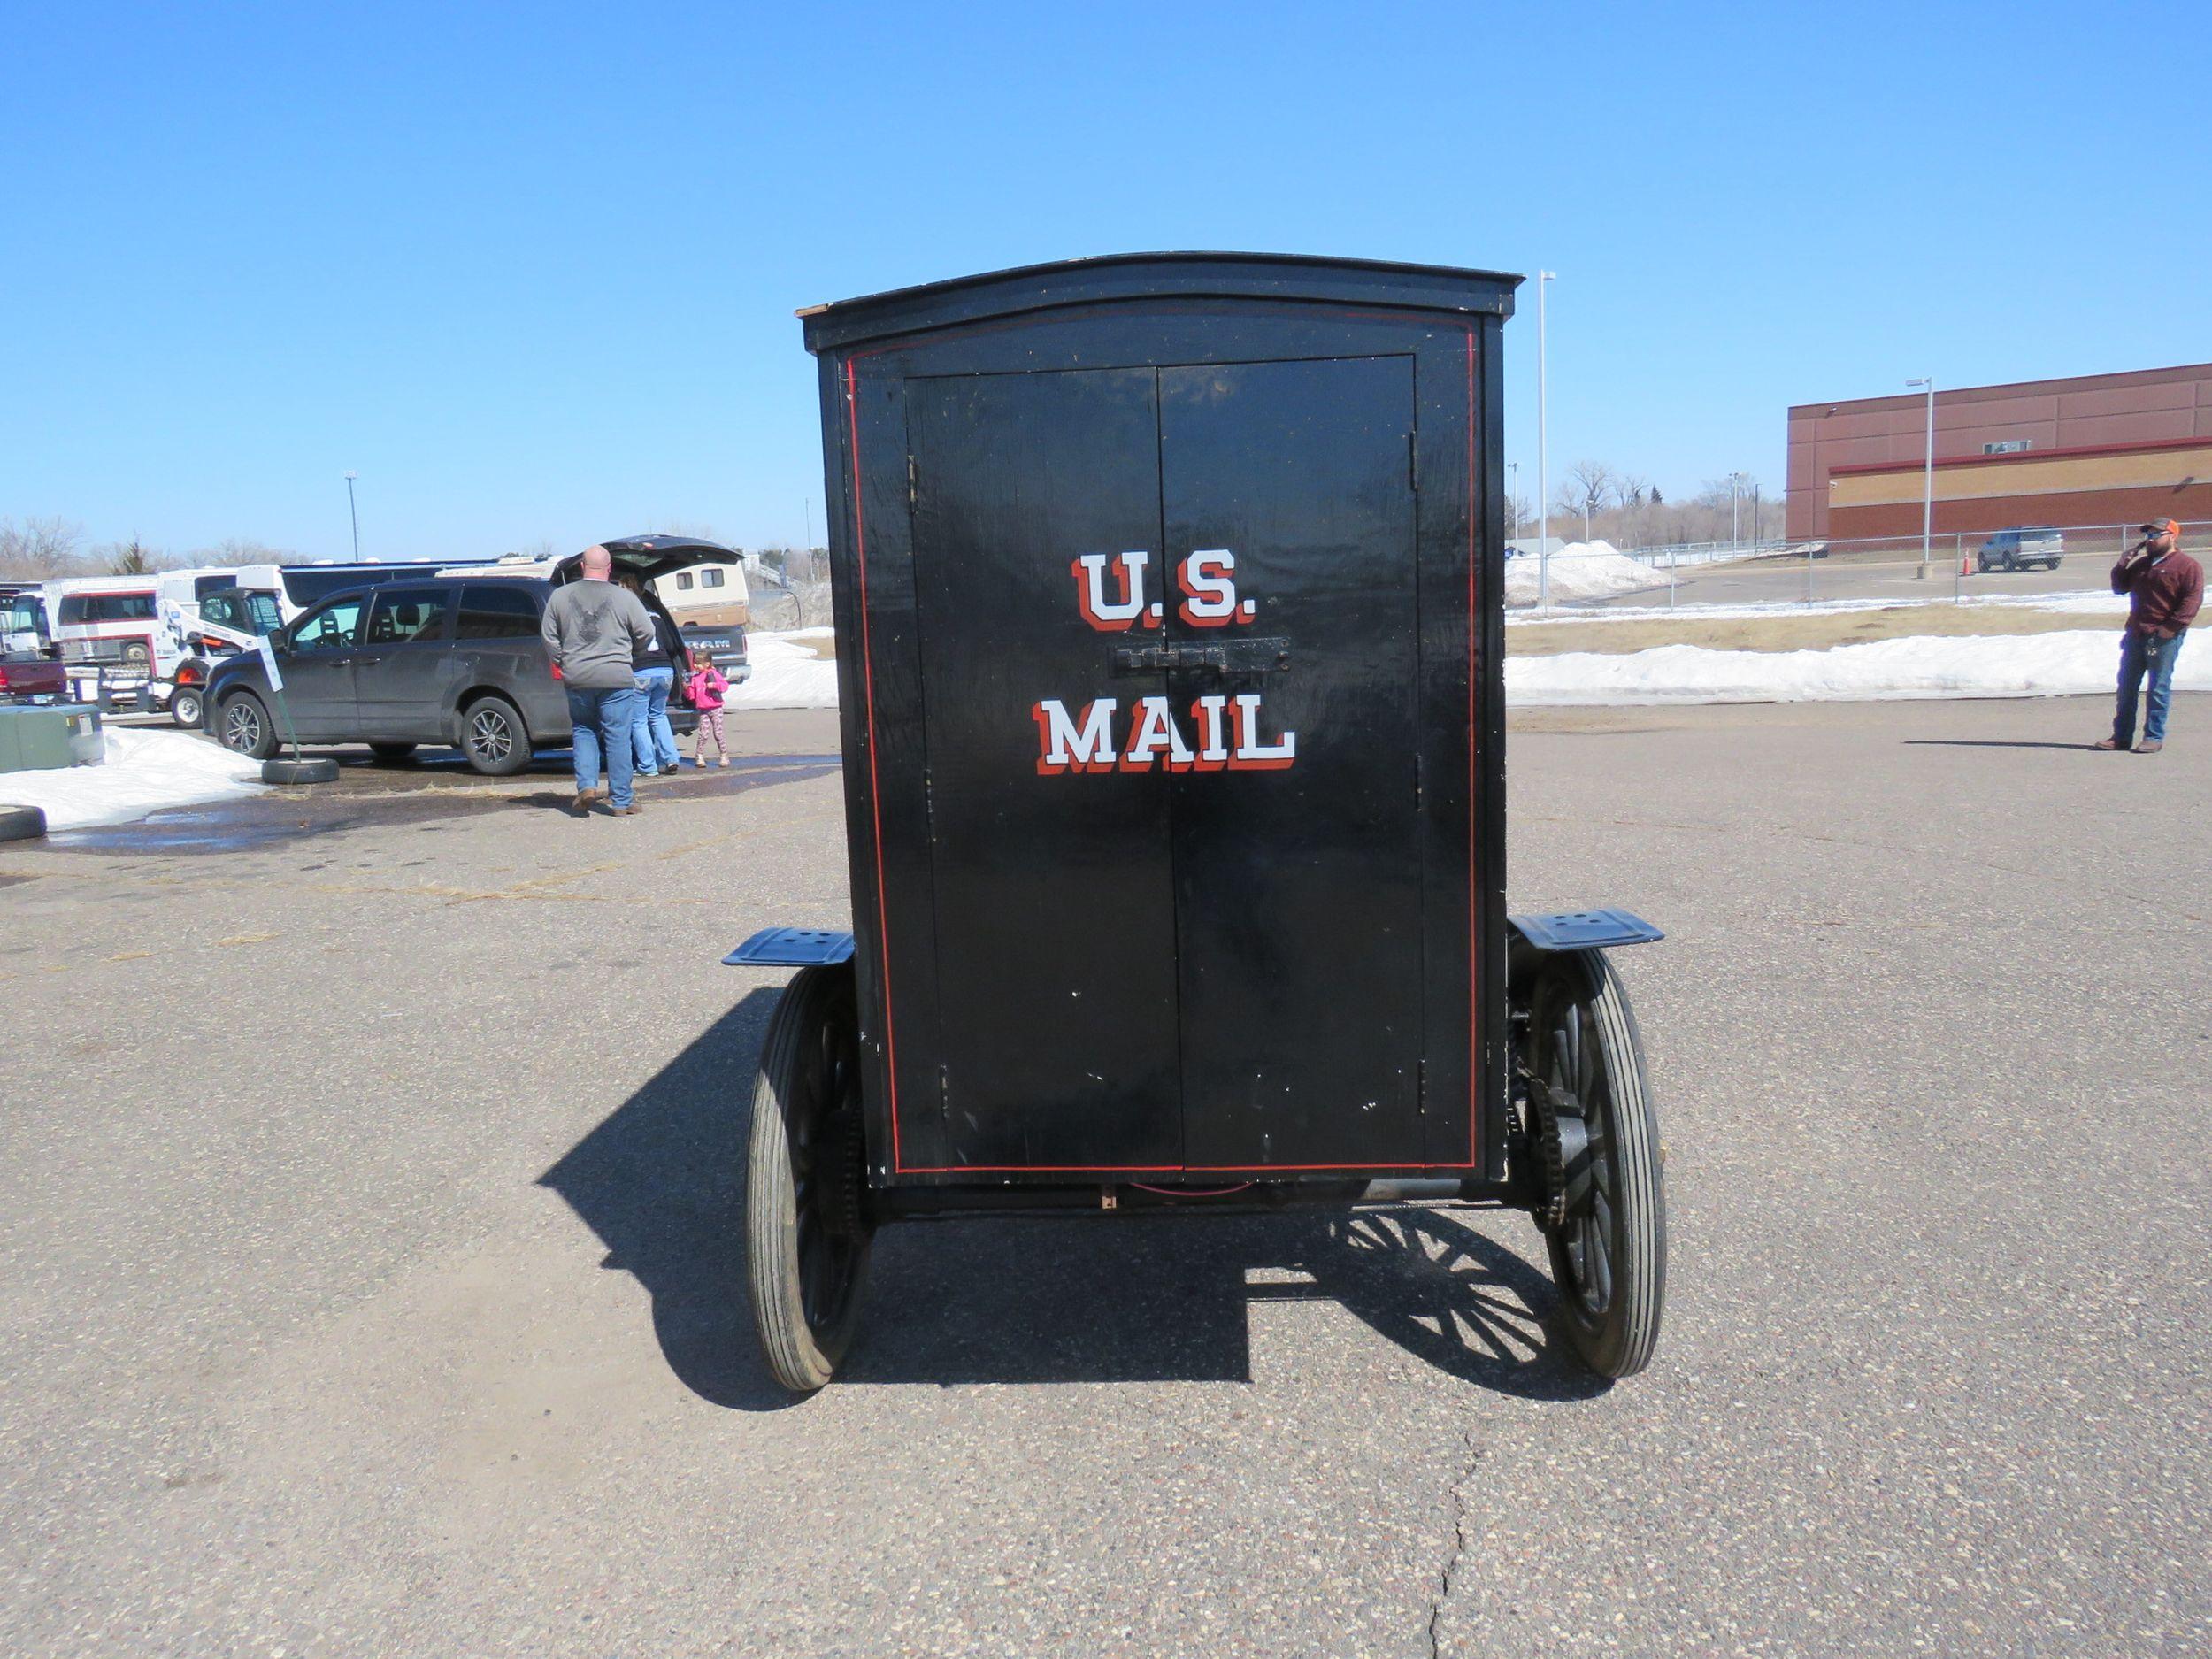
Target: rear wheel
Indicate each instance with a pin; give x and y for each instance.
(807, 1230)
(243, 725)
(493, 739)
(184, 705)
(1595, 1130)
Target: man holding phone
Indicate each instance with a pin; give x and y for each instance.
(2165, 588)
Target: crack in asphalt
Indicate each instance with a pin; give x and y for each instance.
(1459, 1546)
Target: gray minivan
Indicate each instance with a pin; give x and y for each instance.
(418, 660)
(444, 657)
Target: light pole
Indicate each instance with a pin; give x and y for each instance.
(353, 513)
(1927, 479)
(1513, 494)
(1543, 481)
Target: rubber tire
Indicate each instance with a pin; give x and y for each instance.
(21, 822)
(1620, 1342)
(800, 1356)
(186, 706)
(390, 752)
(266, 745)
(518, 754)
(321, 769)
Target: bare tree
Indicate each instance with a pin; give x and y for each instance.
(1518, 513)
(39, 547)
(1591, 486)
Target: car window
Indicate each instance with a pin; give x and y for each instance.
(496, 613)
(79, 609)
(203, 586)
(332, 628)
(405, 614)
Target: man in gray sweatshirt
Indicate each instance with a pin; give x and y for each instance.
(591, 628)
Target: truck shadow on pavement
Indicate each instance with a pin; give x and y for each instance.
(1140, 1298)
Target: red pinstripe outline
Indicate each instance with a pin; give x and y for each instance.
(875, 794)
(1474, 1004)
(1474, 959)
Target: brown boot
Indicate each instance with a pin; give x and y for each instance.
(2110, 743)
(586, 799)
(2151, 748)
(627, 812)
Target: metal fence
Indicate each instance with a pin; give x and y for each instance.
(1886, 570)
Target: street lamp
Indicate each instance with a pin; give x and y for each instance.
(354, 514)
(1927, 479)
(1543, 481)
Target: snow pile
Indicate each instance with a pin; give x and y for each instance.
(2083, 603)
(2012, 665)
(145, 772)
(1580, 570)
(787, 673)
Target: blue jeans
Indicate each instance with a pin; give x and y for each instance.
(651, 737)
(603, 715)
(2144, 658)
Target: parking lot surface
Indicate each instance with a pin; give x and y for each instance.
(368, 1203)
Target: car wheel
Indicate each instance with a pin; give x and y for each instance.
(493, 739)
(184, 705)
(243, 725)
(391, 751)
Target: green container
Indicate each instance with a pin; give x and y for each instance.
(45, 739)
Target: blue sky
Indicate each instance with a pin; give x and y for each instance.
(531, 271)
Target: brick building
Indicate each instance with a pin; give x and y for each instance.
(2096, 450)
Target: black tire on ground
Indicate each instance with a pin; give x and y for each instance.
(322, 769)
(807, 1232)
(185, 707)
(391, 751)
(492, 738)
(1610, 1259)
(242, 724)
(21, 822)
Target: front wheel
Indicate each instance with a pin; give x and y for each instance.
(493, 740)
(243, 725)
(807, 1229)
(1597, 1133)
(184, 706)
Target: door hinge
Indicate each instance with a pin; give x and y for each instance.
(929, 806)
(913, 486)
(1421, 1086)
(944, 1089)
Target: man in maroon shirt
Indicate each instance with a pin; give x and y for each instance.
(2164, 587)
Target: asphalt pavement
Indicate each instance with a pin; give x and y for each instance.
(368, 1211)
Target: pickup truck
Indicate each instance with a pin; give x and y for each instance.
(25, 679)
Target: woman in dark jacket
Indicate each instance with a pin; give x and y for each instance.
(652, 740)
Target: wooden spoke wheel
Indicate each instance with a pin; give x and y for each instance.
(1596, 1136)
(806, 1181)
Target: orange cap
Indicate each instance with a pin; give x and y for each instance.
(2162, 526)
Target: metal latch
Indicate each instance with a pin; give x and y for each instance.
(1222, 657)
